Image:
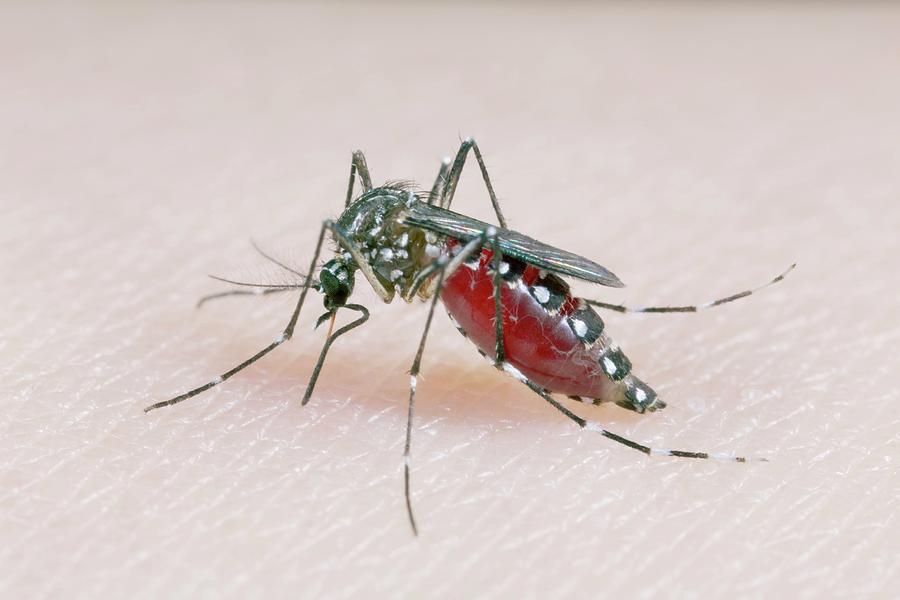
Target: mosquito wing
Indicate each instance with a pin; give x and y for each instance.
(512, 243)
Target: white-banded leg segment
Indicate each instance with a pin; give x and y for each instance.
(280, 339)
(693, 307)
(448, 188)
(445, 268)
(359, 168)
(596, 427)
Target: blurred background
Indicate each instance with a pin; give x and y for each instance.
(694, 148)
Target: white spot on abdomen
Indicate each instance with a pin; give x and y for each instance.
(580, 326)
(610, 365)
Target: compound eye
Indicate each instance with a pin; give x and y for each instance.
(340, 294)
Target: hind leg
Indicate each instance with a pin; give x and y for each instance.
(448, 177)
(596, 427)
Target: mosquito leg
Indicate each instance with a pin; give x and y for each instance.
(448, 189)
(358, 167)
(445, 269)
(413, 378)
(593, 426)
(282, 337)
(350, 326)
(691, 308)
(440, 181)
(499, 346)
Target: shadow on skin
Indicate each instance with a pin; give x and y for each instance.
(474, 391)
(455, 384)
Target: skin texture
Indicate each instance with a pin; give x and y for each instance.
(694, 150)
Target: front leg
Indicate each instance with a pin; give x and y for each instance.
(284, 336)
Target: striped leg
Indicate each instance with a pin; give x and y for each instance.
(690, 308)
(593, 426)
(280, 339)
(445, 268)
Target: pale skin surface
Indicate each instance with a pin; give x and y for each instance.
(694, 152)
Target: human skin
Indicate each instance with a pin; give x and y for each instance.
(694, 151)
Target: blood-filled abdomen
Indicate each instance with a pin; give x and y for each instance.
(553, 338)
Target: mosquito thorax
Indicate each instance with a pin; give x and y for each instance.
(394, 251)
(336, 282)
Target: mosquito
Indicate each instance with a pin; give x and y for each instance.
(503, 290)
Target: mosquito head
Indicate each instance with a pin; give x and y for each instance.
(336, 282)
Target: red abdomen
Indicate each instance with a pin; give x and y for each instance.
(553, 338)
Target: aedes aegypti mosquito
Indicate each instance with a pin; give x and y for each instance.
(502, 290)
